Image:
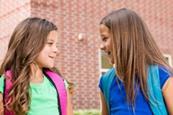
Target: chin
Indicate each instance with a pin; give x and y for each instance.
(49, 65)
(112, 61)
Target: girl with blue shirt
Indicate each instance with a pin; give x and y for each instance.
(131, 48)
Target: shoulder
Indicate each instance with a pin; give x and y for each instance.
(164, 71)
(108, 74)
(2, 77)
(164, 74)
(52, 74)
(1, 83)
(107, 77)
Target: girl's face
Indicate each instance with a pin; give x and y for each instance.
(47, 56)
(106, 44)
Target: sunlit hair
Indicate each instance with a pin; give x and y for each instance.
(134, 49)
(27, 40)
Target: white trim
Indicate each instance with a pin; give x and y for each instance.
(169, 59)
(100, 64)
(104, 70)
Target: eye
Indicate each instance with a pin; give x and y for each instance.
(104, 39)
(50, 43)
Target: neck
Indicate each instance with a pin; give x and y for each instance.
(36, 74)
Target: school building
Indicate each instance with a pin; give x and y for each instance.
(80, 59)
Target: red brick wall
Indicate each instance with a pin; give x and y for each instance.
(158, 16)
(11, 13)
(78, 60)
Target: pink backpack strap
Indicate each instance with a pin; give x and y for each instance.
(7, 87)
(55, 78)
(60, 87)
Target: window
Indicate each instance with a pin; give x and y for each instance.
(168, 59)
(104, 63)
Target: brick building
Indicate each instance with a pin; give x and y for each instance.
(80, 60)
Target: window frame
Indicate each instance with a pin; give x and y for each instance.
(168, 56)
(103, 70)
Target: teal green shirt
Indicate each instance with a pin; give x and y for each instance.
(43, 98)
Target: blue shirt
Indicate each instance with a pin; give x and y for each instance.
(118, 101)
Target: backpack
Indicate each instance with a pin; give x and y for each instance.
(56, 80)
(156, 100)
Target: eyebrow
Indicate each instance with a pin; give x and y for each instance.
(103, 35)
(50, 40)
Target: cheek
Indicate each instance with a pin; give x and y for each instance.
(44, 52)
(42, 57)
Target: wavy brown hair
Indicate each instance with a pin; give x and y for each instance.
(133, 48)
(27, 40)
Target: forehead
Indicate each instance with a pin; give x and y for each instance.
(104, 30)
(53, 35)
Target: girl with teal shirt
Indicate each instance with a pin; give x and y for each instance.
(28, 66)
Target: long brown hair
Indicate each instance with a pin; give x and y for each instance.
(134, 49)
(27, 40)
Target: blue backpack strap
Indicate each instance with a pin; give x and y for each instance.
(107, 79)
(155, 92)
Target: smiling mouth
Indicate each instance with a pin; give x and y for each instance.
(51, 57)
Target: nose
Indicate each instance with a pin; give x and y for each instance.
(55, 49)
(57, 52)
